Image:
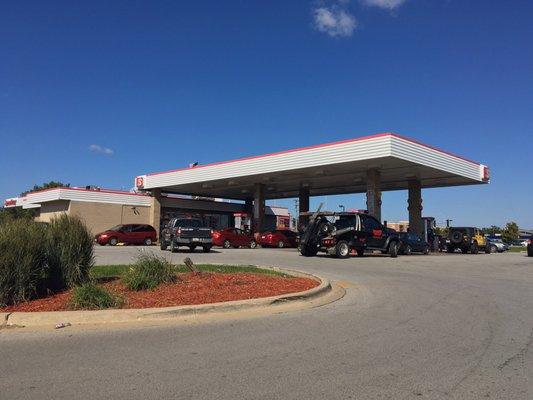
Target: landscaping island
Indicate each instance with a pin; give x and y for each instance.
(211, 284)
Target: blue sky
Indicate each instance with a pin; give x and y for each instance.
(97, 93)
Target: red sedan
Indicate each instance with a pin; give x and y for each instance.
(233, 237)
(128, 234)
(278, 238)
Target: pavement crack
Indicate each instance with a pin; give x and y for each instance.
(518, 355)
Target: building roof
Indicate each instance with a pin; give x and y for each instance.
(34, 199)
(331, 168)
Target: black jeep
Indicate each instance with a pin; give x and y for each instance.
(348, 231)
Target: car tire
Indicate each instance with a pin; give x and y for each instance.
(360, 252)
(148, 241)
(226, 244)
(281, 244)
(407, 251)
(113, 241)
(192, 248)
(253, 244)
(163, 245)
(393, 249)
(474, 249)
(206, 249)
(342, 249)
(307, 251)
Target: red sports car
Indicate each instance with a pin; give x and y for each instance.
(129, 234)
(233, 237)
(278, 238)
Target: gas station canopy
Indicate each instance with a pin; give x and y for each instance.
(326, 169)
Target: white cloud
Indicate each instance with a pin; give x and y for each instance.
(334, 21)
(386, 4)
(96, 148)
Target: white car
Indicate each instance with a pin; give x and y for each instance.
(497, 245)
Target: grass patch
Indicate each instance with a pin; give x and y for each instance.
(111, 271)
(93, 297)
(149, 272)
(517, 249)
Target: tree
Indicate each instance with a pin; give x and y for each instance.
(510, 232)
(46, 185)
(492, 230)
(441, 231)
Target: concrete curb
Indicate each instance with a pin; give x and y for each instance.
(43, 319)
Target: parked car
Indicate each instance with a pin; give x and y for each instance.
(350, 231)
(233, 237)
(412, 243)
(467, 239)
(187, 232)
(128, 234)
(519, 242)
(497, 245)
(278, 238)
(530, 248)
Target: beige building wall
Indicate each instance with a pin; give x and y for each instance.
(52, 209)
(102, 216)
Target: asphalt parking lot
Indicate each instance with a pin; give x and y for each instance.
(436, 327)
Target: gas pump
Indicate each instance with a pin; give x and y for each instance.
(428, 234)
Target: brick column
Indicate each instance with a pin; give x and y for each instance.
(155, 210)
(259, 208)
(415, 207)
(303, 205)
(373, 193)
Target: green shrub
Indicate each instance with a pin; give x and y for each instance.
(23, 262)
(148, 272)
(69, 252)
(91, 296)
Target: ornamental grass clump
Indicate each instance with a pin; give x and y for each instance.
(89, 296)
(69, 252)
(148, 272)
(23, 262)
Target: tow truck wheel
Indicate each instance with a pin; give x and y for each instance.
(473, 248)
(342, 250)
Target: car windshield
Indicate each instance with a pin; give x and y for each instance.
(189, 223)
(116, 228)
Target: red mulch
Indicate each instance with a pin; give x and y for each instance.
(190, 288)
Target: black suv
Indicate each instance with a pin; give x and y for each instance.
(190, 232)
(350, 231)
(467, 239)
